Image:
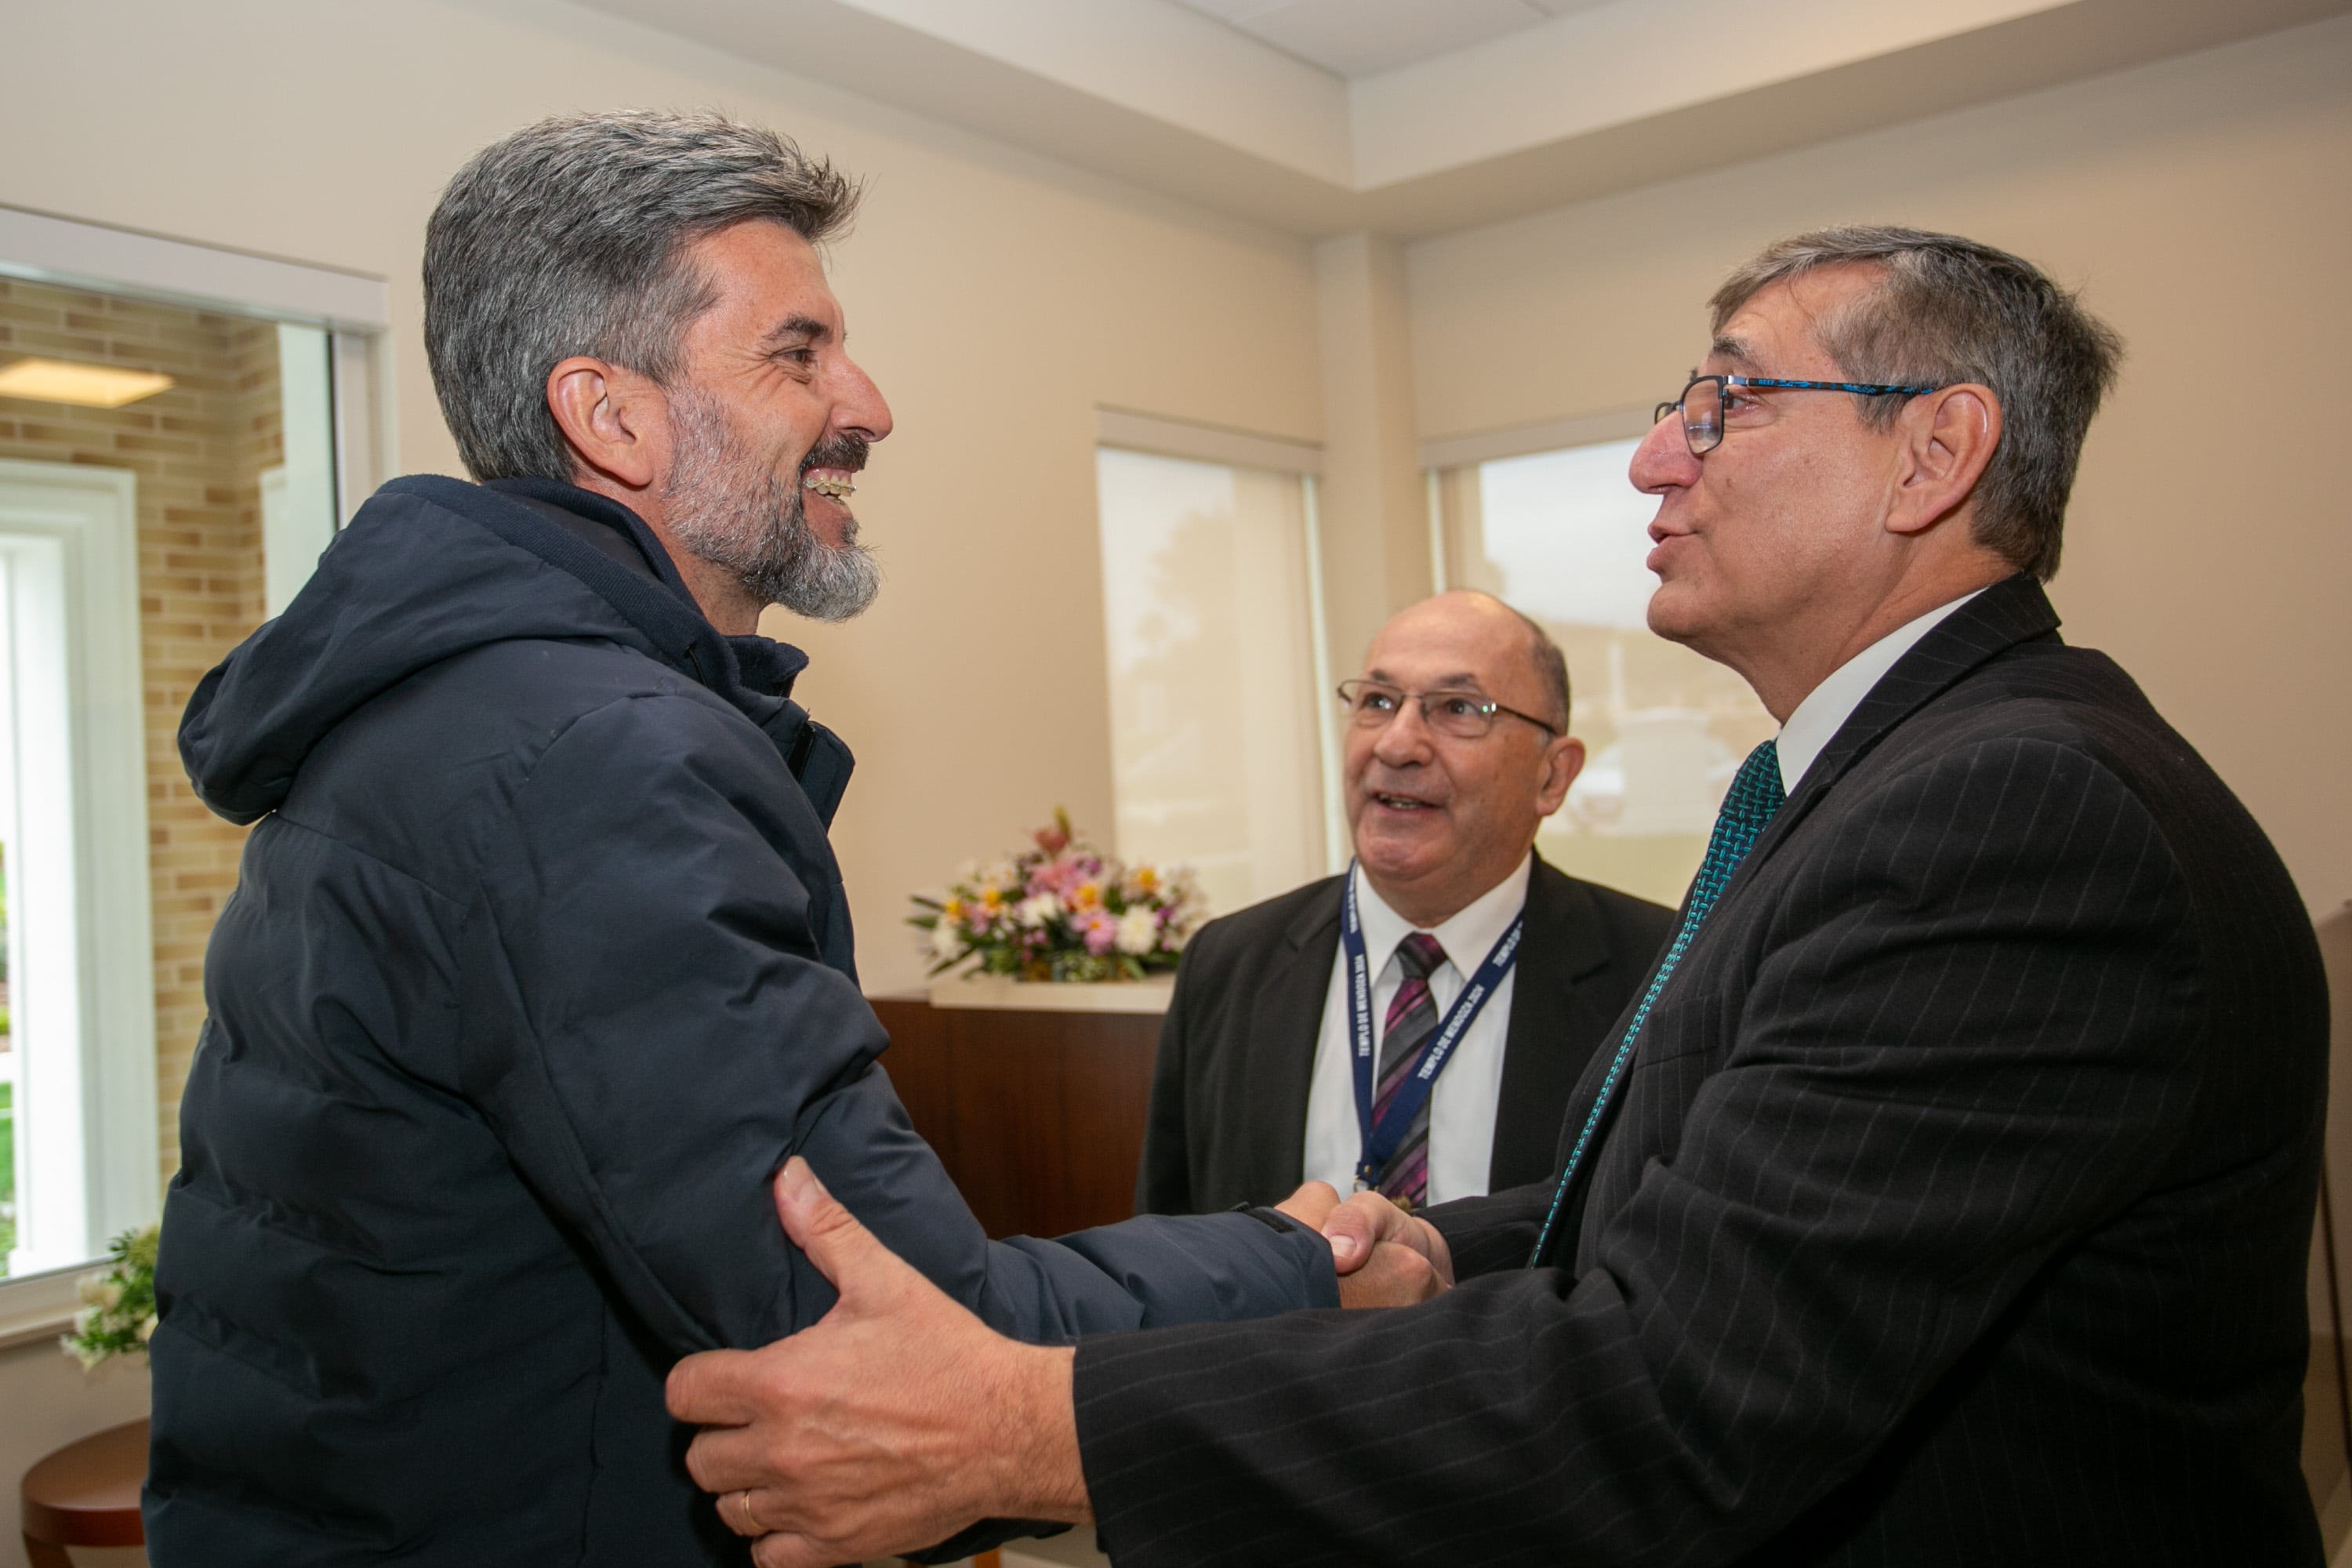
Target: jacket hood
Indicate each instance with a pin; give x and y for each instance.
(432, 567)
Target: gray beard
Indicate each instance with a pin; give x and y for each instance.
(740, 516)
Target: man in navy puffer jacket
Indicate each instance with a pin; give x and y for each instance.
(539, 965)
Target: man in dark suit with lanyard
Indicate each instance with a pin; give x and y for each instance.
(1946, 1195)
(1417, 1022)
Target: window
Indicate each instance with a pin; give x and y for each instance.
(181, 430)
(1218, 741)
(80, 1048)
(1561, 536)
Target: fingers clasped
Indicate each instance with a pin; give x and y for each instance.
(1383, 1256)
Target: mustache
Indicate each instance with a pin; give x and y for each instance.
(844, 451)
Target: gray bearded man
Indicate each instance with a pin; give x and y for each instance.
(1942, 1198)
(539, 965)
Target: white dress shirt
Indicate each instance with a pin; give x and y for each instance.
(1462, 1103)
(1828, 706)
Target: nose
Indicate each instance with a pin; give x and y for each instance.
(859, 406)
(1404, 740)
(1662, 461)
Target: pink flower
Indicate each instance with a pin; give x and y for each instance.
(1100, 928)
(1061, 874)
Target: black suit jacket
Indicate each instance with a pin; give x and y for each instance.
(1955, 1210)
(1237, 1051)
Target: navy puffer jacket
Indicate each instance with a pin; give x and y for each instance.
(538, 968)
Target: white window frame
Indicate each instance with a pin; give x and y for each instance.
(80, 902)
(355, 309)
(1240, 448)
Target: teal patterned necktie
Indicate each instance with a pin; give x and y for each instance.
(1756, 795)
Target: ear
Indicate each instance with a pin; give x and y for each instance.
(1563, 760)
(617, 421)
(1949, 436)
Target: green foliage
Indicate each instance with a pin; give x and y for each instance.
(118, 1302)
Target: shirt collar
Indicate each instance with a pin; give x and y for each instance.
(1828, 706)
(1466, 938)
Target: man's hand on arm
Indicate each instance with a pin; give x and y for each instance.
(894, 1422)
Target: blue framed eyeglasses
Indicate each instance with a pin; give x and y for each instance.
(1705, 397)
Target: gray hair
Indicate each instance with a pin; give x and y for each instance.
(567, 238)
(1950, 309)
(1551, 666)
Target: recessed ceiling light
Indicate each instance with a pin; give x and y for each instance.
(91, 386)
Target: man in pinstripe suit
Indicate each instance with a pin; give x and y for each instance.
(1945, 1199)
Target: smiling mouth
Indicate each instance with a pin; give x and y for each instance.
(833, 484)
(1403, 801)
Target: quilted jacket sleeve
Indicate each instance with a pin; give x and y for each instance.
(651, 1030)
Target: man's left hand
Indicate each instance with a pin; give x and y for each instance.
(894, 1421)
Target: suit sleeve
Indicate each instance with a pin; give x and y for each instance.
(1970, 1050)
(651, 1033)
(1163, 1176)
(1494, 1233)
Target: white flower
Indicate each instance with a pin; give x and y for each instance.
(947, 939)
(1034, 912)
(1138, 932)
(147, 1329)
(100, 1291)
(84, 1320)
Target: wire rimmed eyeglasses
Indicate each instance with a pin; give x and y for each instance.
(1706, 399)
(1470, 715)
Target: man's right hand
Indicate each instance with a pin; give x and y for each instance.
(1383, 1256)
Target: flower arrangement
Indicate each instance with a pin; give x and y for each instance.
(1062, 911)
(118, 1313)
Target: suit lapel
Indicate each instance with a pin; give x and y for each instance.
(2012, 611)
(1284, 1027)
(1565, 936)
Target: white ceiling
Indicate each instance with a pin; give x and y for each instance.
(1363, 37)
(1421, 117)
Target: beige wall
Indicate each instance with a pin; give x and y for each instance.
(2201, 204)
(996, 298)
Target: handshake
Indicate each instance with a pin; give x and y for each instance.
(900, 1418)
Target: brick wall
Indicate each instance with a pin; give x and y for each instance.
(197, 450)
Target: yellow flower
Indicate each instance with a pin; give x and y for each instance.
(953, 911)
(1086, 894)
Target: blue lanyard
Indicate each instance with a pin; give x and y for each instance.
(1380, 1142)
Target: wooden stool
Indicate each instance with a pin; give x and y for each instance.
(85, 1494)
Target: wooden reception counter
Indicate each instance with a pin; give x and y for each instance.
(1036, 1113)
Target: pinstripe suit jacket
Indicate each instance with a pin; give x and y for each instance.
(1955, 1208)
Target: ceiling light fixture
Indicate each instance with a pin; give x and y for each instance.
(90, 385)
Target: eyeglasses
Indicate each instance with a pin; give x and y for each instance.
(1706, 400)
(1372, 704)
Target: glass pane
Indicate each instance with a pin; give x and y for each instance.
(1212, 704)
(181, 459)
(1561, 537)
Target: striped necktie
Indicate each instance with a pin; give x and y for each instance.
(1755, 796)
(1412, 1020)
